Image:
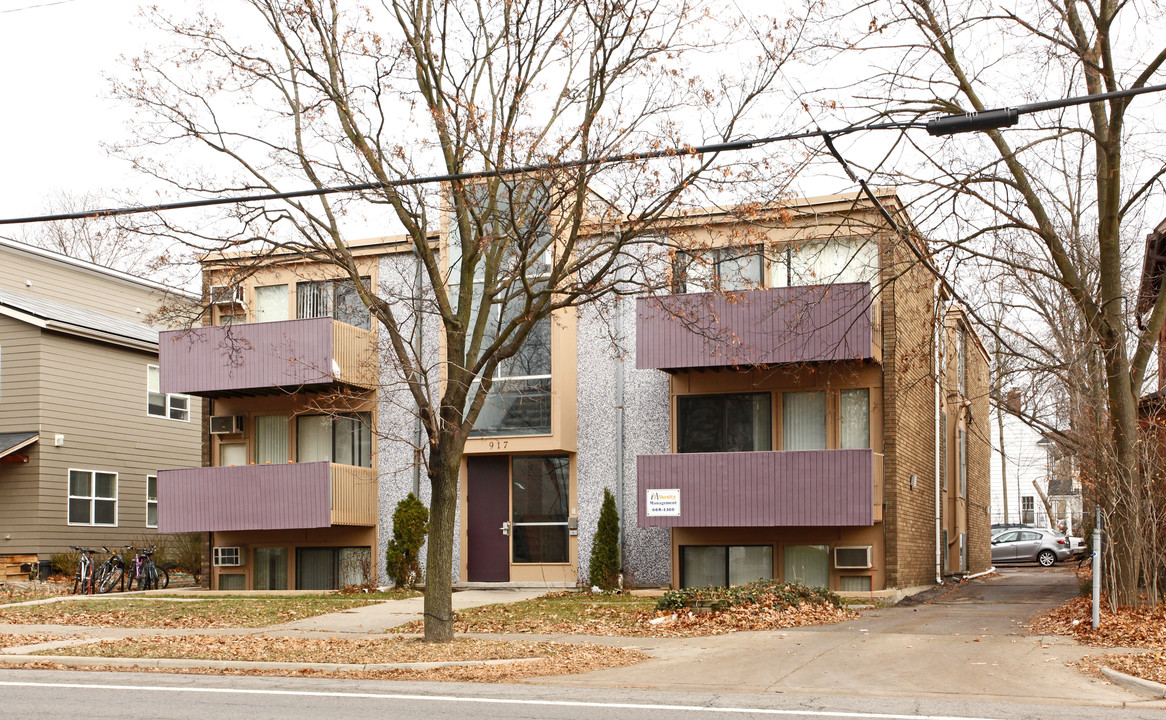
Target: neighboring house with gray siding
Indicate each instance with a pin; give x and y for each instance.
(83, 430)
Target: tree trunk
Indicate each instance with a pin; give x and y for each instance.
(444, 469)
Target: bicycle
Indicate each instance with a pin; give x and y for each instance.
(84, 580)
(144, 572)
(111, 571)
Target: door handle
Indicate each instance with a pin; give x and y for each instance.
(505, 528)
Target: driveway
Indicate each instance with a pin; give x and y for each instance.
(965, 642)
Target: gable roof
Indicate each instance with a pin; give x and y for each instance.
(53, 315)
(10, 442)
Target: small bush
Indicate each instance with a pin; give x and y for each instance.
(65, 563)
(604, 570)
(772, 593)
(186, 554)
(410, 525)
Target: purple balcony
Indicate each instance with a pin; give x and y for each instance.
(265, 357)
(266, 497)
(758, 327)
(795, 488)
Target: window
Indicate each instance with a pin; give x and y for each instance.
(854, 583)
(724, 565)
(92, 498)
(519, 402)
(1027, 509)
(540, 496)
(854, 405)
(271, 439)
(151, 501)
(332, 568)
(962, 438)
(166, 405)
(343, 439)
(337, 299)
(727, 268)
(840, 260)
(232, 581)
(271, 303)
(232, 454)
(226, 318)
(723, 423)
(271, 568)
(803, 419)
(808, 565)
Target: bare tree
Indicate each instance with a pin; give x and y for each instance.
(333, 94)
(1059, 205)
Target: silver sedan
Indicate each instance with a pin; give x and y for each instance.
(1033, 545)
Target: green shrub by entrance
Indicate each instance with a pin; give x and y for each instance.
(604, 571)
(762, 592)
(410, 525)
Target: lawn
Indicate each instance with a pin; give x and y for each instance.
(563, 613)
(185, 613)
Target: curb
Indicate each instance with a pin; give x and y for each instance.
(184, 664)
(1136, 684)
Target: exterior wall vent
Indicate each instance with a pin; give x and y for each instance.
(852, 558)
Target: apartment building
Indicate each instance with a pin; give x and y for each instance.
(84, 428)
(807, 404)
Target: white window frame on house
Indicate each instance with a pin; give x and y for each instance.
(174, 405)
(92, 498)
(152, 500)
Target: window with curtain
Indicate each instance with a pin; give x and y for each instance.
(808, 565)
(271, 439)
(729, 268)
(337, 299)
(803, 419)
(342, 439)
(854, 407)
(232, 454)
(270, 568)
(271, 303)
(838, 260)
(740, 422)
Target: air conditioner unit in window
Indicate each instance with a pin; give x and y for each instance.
(852, 558)
(226, 424)
(227, 556)
(226, 295)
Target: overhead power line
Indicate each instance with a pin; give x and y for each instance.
(946, 125)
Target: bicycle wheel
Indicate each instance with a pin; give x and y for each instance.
(163, 578)
(110, 577)
(77, 583)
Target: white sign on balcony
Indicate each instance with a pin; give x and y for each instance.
(663, 502)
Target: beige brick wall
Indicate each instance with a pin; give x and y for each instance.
(910, 422)
(979, 459)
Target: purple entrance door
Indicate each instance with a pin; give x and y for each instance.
(488, 500)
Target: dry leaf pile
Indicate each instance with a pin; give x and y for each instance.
(1148, 666)
(567, 660)
(631, 620)
(200, 614)
(1127, 627)
(263, 648)
(8, 640)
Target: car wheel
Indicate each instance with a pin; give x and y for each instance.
(1046, 558)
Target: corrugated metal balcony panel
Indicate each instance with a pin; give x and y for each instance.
(289, 353)
(756, 327)
(797, 488)
(354, 496)
(245, 497)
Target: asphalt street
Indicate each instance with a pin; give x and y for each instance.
(41, 695)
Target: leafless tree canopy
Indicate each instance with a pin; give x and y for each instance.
(322, 93)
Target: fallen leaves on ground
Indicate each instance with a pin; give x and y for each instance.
(552, 659)
(264, 648)
(1127, 627)
(8, 640)
(579, 615)
(1148, 666)
(32, 591)
(221, 612)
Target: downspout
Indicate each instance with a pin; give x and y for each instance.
(940, 337)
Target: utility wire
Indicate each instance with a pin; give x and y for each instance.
(682, 151)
